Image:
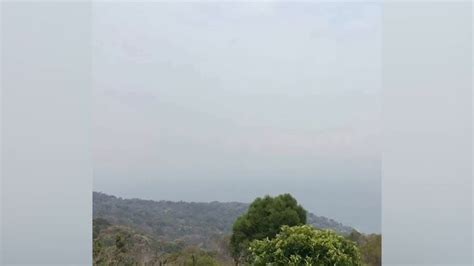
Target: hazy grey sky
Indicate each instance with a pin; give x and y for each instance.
(230, 101)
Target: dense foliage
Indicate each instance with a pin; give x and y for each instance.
(144, 232)
(370, 247)
(190, 222)
(264, 218)
(193, 223)
(304, 245)
(121, 245)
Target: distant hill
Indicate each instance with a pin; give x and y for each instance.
(192, 223)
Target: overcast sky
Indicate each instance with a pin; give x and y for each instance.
(230, 101)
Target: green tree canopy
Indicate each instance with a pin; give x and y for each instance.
(304, 245)
(264, 218)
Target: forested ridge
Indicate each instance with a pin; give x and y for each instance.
(192, 222)
(146, 232)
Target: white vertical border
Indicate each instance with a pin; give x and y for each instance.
(46, 99)
(1, 138)
(427, 136)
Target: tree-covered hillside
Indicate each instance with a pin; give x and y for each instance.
(200, 224)
(144, 232)
(122, 245)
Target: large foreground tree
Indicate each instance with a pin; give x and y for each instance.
(264, 219)
(305, 246)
